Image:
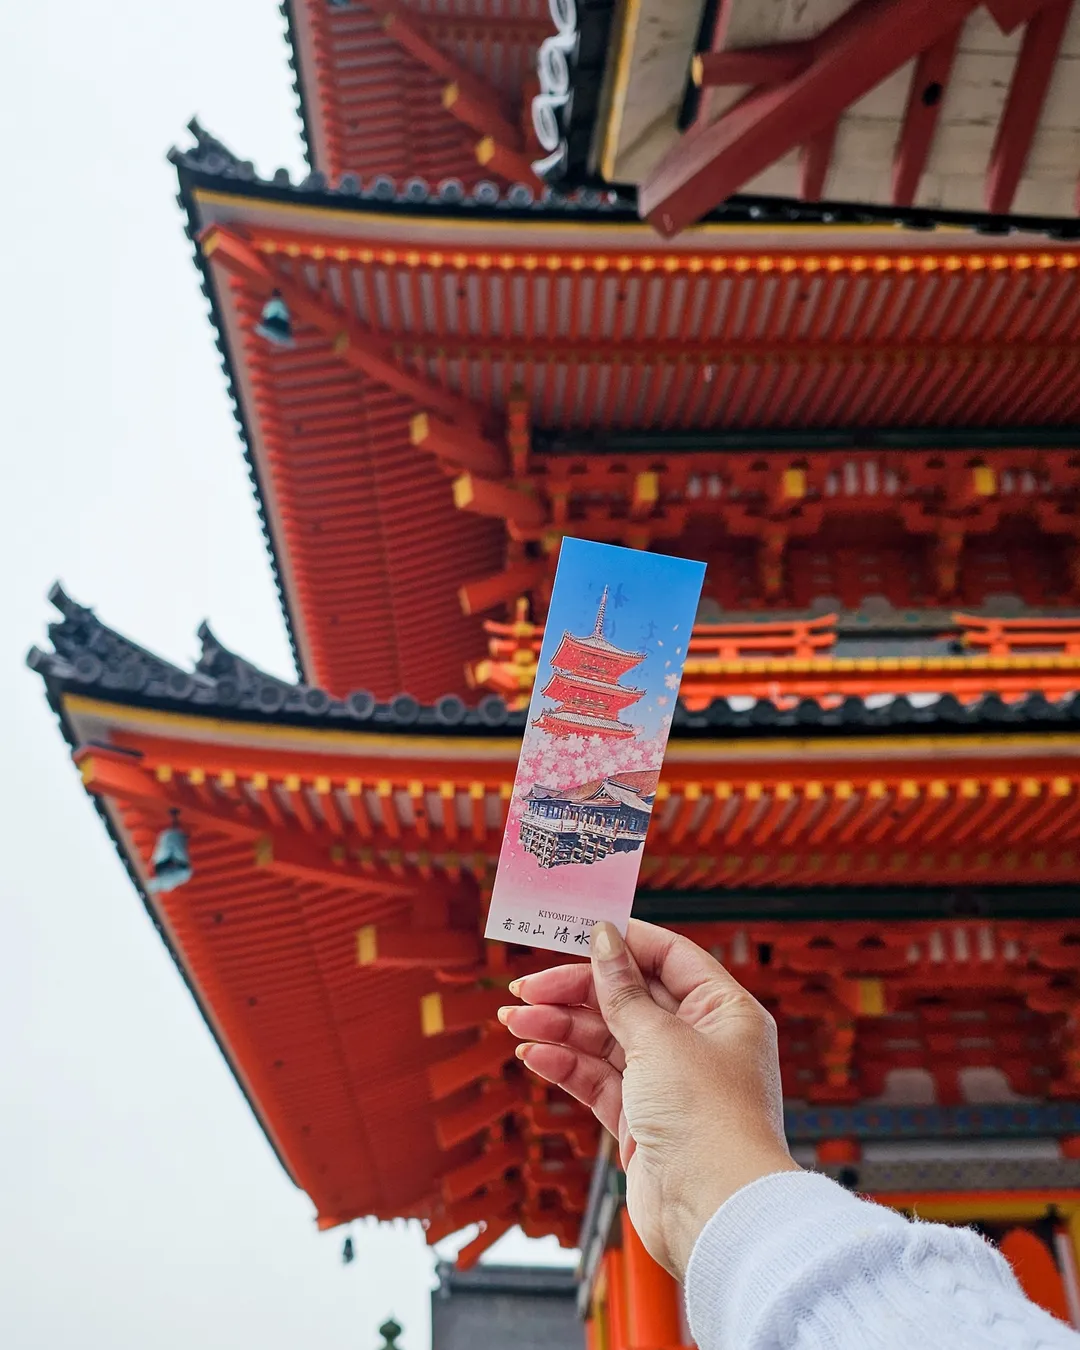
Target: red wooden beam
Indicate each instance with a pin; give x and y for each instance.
(487, 592)
(483, 1060)
(482, 113)
(107, 773)
(447, 1010)
(463, 447)
(518, 435)
(453, 1218)
(925, 96)
(486, 1170)
(412, 37)
(415, 948)
(510, 164)
(493, 1229)
(454, 1127)
(852, 56)
(816, 157)
(751, 65)
(499, 500)
(353, 343)
(1010, 14)
(289, 853)
(1023, 107)
(304, 859)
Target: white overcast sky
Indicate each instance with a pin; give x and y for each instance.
(139, 1203)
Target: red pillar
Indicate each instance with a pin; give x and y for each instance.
(617, 1338)
(652, 1296)
(832, 1151)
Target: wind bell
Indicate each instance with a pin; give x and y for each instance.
(171, 860)
(275, 322)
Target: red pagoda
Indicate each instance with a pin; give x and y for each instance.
(585, 685)
(440, 367)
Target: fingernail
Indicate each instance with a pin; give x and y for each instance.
(521, 1050)
(504, 1015)
(515, 988)
(606, 942)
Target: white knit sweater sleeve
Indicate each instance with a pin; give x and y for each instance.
(795, 1262)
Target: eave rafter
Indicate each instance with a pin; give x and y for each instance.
(457, 432)
(466, 97)
(353, 343)
(848, 822)
(489, 1104)
(328, 849)
(798, 91)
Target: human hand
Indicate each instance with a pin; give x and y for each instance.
(672, 1056)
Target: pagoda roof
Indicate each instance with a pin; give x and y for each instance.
(768, 221)
(630, 694)
(585, 721)
(315, 824)
(371, 80)
(598, 643)
(89, 657)
(361, 519)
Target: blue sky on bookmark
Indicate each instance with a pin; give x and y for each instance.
(651, 602)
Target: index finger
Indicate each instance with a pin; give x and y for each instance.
(679, 964)
(671, 964)
(572, 986)
(568, 985)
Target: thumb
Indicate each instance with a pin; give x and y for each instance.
(625, 1002)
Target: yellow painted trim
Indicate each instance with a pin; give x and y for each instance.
(248, 732)
(466, 225)
(647, 488)
(432, 1022)
(837, 665)
(679, 752)
(871, 998)
(367, 945)
(264, 850)
(624, 41)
